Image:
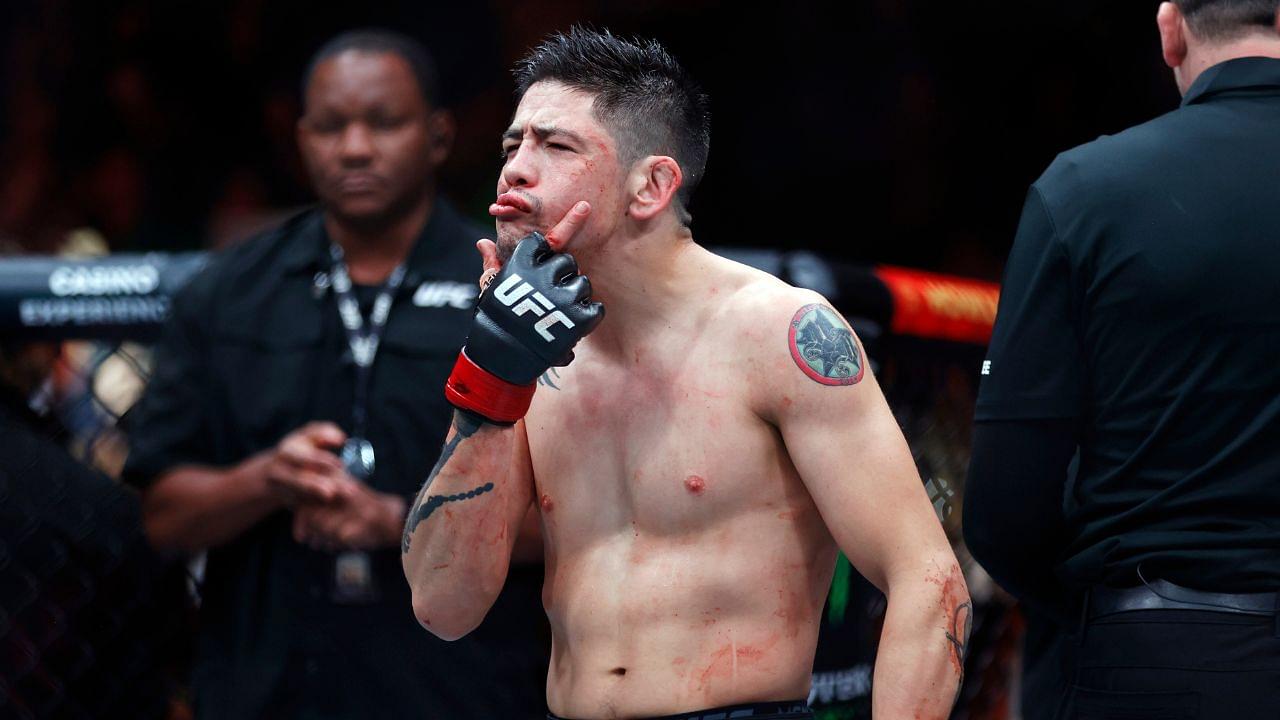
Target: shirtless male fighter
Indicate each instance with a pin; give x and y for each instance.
(702, 458)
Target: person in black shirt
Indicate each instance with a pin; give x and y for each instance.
(1125, 477)
(296, 407)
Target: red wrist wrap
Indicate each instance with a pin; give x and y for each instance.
(473, 388)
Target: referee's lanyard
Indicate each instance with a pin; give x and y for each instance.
(357, 453)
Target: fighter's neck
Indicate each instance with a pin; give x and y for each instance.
(646, 285)
(373, 250)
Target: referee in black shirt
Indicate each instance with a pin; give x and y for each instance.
(1126, 464)
(295, 408)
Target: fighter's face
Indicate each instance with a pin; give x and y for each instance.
(557, 153)
(365, 136)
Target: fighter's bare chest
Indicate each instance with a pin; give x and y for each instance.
(668, 446)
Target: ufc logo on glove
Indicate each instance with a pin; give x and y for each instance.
(507, 296)
(497, 370)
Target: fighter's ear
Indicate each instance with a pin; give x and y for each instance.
(1173, 34)
(653, 185)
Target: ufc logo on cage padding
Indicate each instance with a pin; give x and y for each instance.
(514, 288)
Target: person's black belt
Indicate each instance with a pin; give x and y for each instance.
(1164, 595)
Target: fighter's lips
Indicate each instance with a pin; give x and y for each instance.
(509, 205)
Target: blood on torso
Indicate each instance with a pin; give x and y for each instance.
(683, 547)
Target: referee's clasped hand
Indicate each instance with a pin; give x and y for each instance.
(303, 467)
(332, 511)
(362, 519)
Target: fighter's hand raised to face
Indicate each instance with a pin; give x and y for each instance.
(531, 313)
(558, 238)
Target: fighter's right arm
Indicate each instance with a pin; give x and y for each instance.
(461, 530)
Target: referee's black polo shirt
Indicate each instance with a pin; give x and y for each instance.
(255, 350)
(1142, 297)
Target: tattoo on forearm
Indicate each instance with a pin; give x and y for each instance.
(961, 627)
(424, 511)
(823, 346)
(466, 426)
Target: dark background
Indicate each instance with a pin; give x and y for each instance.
(899, 131)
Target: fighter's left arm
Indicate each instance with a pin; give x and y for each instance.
(852, 457)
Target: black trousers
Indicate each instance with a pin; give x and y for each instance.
(1177, 665)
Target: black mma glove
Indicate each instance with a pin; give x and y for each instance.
(528, 319)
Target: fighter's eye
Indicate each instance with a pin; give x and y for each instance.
(507, 151)
(559, 146)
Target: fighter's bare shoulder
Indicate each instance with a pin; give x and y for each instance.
(793, 341)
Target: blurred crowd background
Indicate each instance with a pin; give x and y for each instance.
(902, 131)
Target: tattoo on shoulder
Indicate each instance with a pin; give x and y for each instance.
(823, 346)
(550, 378)
(466, 426)
(958, 636)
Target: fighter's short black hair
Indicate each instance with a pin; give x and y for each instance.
(1228, 19)
(642, 94)
(377, 41)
